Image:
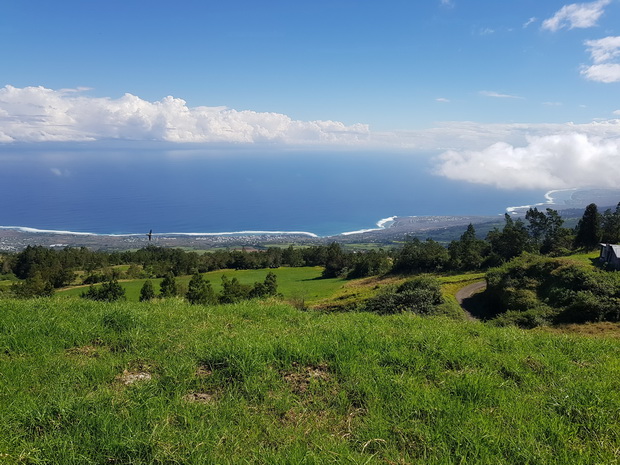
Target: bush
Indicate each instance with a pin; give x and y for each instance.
(534, 290)
(420, 295)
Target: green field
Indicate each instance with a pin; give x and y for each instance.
(85, 382)
(293, 283)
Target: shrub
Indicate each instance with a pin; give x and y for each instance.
(420, 295)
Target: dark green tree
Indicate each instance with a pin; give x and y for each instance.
(267, 288)
(510, 242)
(33, 286)
(199, 291)
(610, 226)
(336, 262)
(537, 226)
(588, 232)
(468, 252)
(109, 291)
(417, 256)
(147, 292)
(168, 286)
(233, 291)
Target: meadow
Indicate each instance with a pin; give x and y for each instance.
(301, 283)
(260, 382)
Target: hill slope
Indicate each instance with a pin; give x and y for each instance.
(259, 382)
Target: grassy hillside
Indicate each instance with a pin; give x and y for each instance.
(167, 383)
(299, 283)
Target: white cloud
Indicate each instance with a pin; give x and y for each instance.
(442, 100)
(37, 114)
(546, 162)
(576, 15)
(449, 3)
(604, 53)
(606, 72)
(552, 104)
(617, 112)
(490, 93)
(603, 50)
(530, 21)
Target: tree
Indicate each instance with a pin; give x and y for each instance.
(147, 292)
(33, 286)
(511, 242)
(168, 286)
(418, 256)
(610, 226)
(109, 291)
(269, 287)
(233, 291)
(588, 232)
(468, 252)
(336, 263)
(199, 291)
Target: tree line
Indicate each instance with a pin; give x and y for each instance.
(38, 270)
(199, 290)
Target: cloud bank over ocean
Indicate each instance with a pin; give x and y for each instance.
(38, 114)
(548, 162)
(506, 155)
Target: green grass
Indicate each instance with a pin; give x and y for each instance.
(584, 257)
(293, 283)
(280, 386)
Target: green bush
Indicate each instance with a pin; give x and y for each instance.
(547, 290)
(420, 295)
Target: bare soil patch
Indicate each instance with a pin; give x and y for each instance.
(131, 377)
(200, 397)
(86, 351)
(300, 380)
(203, 371)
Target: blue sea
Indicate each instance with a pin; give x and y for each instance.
(132, 189)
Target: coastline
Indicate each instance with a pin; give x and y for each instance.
(386, 230)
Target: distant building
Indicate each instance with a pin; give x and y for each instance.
(610, 254)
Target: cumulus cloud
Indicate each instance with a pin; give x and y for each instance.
(38, 114)
(576, 15)
(546, 162)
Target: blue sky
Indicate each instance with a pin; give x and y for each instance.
(457, 77)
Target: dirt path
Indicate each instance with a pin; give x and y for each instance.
(467, 292)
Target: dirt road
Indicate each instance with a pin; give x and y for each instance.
(467, 291)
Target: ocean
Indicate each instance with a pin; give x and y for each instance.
(124, 190)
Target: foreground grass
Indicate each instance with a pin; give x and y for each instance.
(264, 383)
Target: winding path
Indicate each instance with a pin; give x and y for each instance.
(468, 291)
